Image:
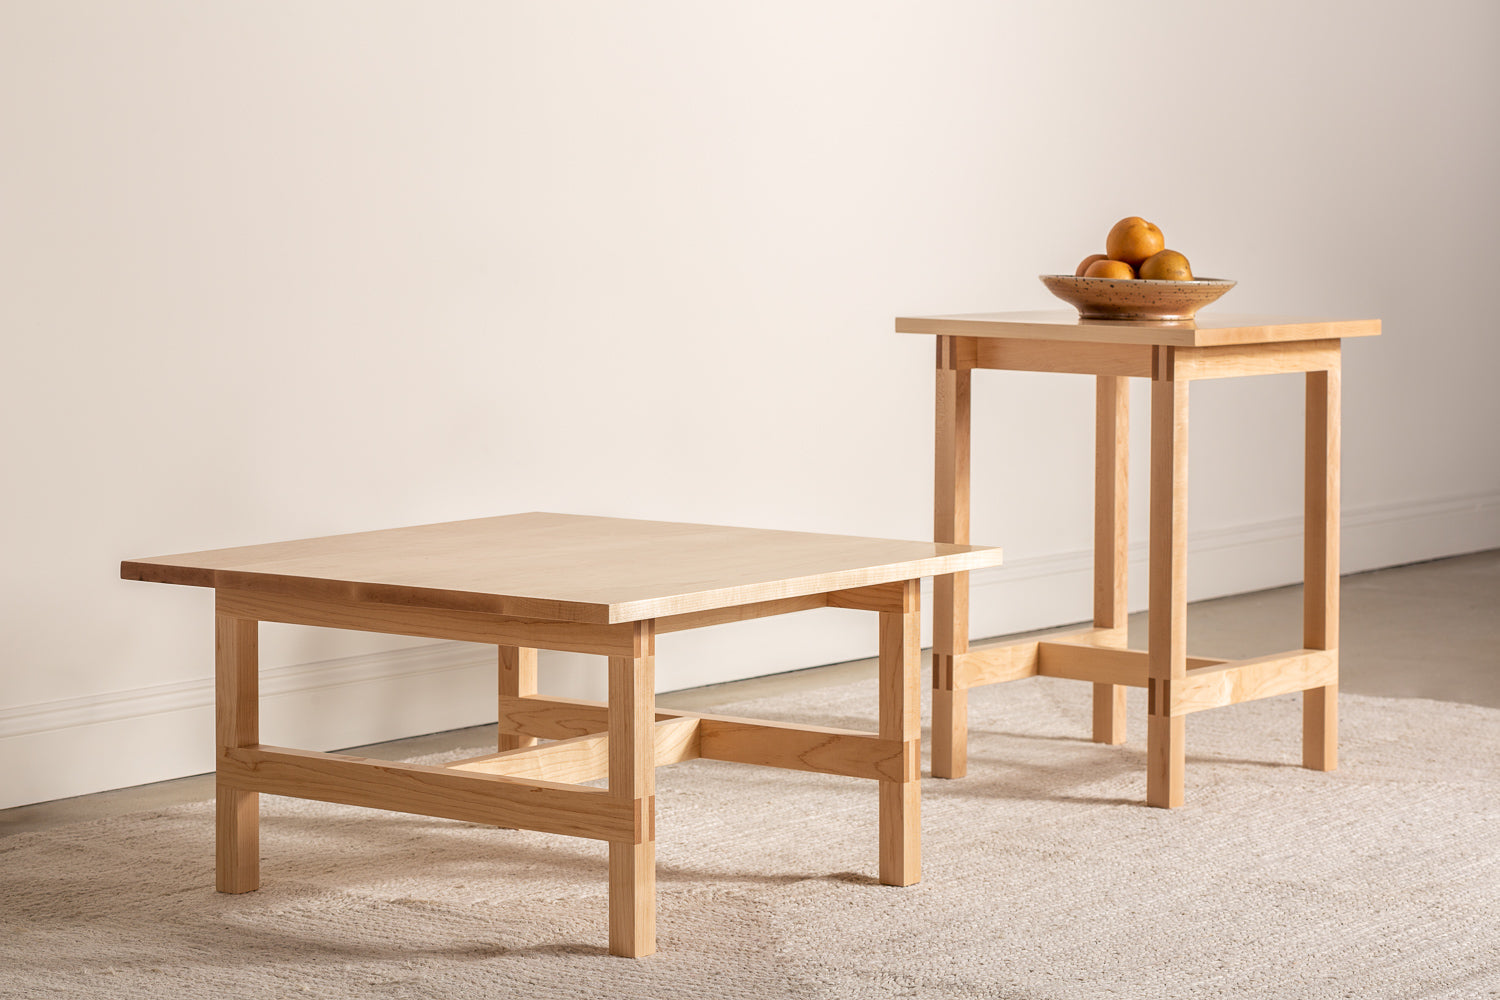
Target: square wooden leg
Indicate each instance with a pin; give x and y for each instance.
(900, 719)
(1109, 713)
(950, 594)
(950, 722)
(237, 840)
(1320, 593)
(900, 832)
(1167, 659)
(1165, 759)
(1320, 728)
(236, 724)
(1111, 537)
(632, 776)
(632, 899)
(517, 679)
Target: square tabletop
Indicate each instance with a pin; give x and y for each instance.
(1208, 331)
(564, 567)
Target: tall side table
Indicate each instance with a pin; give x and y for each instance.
(1172, 355)
(597, 585)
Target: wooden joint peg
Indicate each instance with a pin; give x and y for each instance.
(950, 732)
(1163, 363)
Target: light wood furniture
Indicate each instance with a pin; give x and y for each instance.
(585, 584)
(1172, 355)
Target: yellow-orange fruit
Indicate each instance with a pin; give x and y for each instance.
(1109, 269)
(1132, 240)
(1083, 265)
(1167, 265)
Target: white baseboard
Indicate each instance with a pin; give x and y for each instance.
(79, 745)
(72, 747)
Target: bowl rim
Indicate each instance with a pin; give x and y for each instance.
(1145, 281)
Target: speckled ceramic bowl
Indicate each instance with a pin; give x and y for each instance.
(1135, 298)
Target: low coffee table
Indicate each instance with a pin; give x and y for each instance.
(585, 584)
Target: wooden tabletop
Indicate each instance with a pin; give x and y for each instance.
(564, 567)
(1207, 331)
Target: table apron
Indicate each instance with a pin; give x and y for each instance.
(430, 623)
(1078, 358)
(1162, 362)
(1182, 364)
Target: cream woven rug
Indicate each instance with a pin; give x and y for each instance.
(1043, 877)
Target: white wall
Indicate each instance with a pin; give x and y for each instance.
(272, 270)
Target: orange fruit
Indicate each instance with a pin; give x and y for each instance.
(1166, 265)
(1109, 269)
(1132, 240)
(1083, 265)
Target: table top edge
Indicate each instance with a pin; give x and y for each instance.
(209, 569)
(1067, 326)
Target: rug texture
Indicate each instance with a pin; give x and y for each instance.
(1044, 876)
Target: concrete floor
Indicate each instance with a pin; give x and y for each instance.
(1428, 630)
